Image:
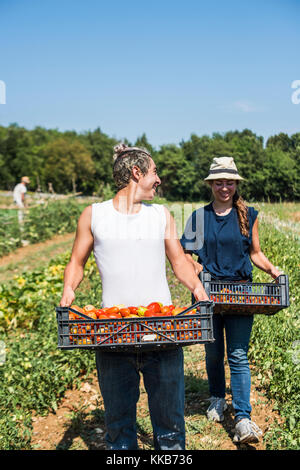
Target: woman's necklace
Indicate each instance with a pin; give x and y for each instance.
(224, 211)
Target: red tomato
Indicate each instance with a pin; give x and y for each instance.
(114, 315)
(168, 314)
(154, 307)
(79, 309)
(192, 312)
(125, 312)
(102, 316)
(165, 310)
(149, 313)
(91, 314)
(99, 311)
(133, 310)
(113, 310)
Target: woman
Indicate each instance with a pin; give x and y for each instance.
(228, 244)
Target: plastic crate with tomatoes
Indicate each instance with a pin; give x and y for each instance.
(120, 327)
(247, 298)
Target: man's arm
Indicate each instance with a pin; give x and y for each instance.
(182, 267)
(82, 248)
(197, 266)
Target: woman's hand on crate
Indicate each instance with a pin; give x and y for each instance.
(276, 273)
(68, 297)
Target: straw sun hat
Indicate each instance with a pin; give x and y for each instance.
(223, 167)
(25, 179)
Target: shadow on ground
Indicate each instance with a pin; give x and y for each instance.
(90, 427)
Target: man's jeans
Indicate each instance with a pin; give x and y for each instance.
(119, 380)
(237, 331)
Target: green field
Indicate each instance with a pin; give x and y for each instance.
(41, 222)
(35, 375)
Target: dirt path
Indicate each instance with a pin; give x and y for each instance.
(78, 423)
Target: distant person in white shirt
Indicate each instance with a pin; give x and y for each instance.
(19, 196)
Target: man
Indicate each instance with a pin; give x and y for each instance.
(19, 196)
(130, 240)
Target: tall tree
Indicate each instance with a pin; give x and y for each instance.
(69, 165)
(175, 172)
(143, 142)
(100, 146)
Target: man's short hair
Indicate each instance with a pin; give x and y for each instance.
(125, 158)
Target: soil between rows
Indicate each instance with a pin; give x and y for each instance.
(78, 423)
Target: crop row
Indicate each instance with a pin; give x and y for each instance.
(275, 346)
(34, 374)
(40, 223)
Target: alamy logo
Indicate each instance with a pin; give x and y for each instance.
(2, 353)
(2, 92)
(296, 94)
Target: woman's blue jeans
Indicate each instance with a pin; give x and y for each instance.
(119, 380)
(237, 331)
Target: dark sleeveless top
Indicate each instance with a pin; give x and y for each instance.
(217, 241)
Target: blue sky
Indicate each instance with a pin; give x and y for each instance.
(167, 68)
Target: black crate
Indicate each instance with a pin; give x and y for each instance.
(247, 298)
(131, 334)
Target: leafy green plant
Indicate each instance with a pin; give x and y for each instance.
(35, 374)
(274, 339)
(40, 223)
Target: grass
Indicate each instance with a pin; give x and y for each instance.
(284, 211)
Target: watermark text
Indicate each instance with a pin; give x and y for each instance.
(296, 94)
(2, 92)
(2, 353)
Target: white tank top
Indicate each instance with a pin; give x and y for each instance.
(130, 254)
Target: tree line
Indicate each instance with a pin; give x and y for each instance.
(82, 162)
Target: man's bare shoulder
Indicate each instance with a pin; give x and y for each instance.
(167, 213)
(87, 211)
(171, 229)
(85, 217)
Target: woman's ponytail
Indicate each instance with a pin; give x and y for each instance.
(242, 212)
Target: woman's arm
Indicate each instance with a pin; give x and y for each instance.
(257, 256)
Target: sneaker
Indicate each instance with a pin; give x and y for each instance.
(246, 431)
(215, 410)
